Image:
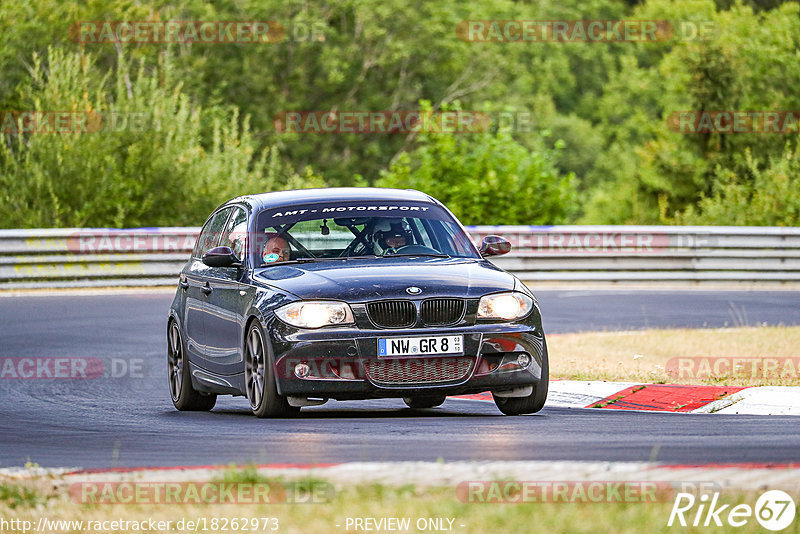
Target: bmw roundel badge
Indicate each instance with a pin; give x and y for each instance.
(413, 290)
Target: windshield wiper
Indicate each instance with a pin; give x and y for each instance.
(312, 260)
(290, 262)
(425, 254)
(361, 257)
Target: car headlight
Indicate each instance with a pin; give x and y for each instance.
(315, 314)
(505, 306)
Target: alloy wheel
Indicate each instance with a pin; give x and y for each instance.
(255, 367)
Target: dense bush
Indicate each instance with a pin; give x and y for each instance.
(486, 178)
(765, 195)
(142, 158)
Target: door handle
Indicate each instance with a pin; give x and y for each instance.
(207, 289)
(184, 284)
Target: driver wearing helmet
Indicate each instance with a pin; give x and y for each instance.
(391, 236)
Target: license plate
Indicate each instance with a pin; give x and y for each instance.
(417, 346)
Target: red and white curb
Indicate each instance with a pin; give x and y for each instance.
(767, 400)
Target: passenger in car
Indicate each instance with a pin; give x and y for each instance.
(276, 249)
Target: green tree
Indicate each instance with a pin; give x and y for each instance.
(486, 178)
(140, 162)
(769, 194)
(651, 174)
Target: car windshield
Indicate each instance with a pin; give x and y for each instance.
(322, 231)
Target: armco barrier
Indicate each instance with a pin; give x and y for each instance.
(651, 254)
(73, 257)
(605, 254)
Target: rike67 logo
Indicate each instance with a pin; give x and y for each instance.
(774, 510)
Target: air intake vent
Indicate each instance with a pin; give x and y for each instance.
(440, 312)
(392, 313)
(412, 371)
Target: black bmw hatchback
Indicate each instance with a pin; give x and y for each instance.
(293, 298)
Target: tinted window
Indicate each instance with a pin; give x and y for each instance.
(210, 235)
(235, 232)
(359, 229)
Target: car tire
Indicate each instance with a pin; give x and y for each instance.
(419, 403)
(184, 396)
(533, 402)
(260, 384)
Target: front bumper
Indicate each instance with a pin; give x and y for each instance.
(343, 363)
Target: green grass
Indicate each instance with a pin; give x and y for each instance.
(378, 501)
(298, 489)
(646, 355)
(21, 495)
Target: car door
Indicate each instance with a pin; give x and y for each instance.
(225, 301)
(197, 287)
(192, 281)
(193, 313)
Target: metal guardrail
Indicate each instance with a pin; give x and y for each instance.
(53, 258)
(74, 257)
(651, 254)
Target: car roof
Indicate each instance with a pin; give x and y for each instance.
(331, 194)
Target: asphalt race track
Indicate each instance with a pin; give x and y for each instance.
(127, 419)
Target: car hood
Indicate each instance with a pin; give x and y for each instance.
(359, 280)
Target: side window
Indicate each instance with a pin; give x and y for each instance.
(235, 232)
(209, 237)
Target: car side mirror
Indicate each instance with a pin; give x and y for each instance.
(221, 257)
(494, 245)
